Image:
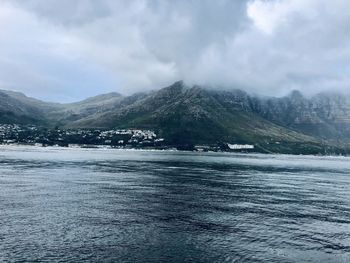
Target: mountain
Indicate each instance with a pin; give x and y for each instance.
(194, 115)
(326, 115)
(78, 110)
(17, 108)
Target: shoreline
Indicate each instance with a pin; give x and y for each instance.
(170, 149)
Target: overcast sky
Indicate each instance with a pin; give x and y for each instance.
(66, 50)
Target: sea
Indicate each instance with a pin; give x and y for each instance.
(109, 205)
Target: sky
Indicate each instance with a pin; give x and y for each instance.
(64, 50)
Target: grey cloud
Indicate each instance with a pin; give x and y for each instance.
(268, 47)
(66, 12)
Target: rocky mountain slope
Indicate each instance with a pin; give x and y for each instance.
(194, 115)
(325, 115)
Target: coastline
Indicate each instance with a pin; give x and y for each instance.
(169, 149)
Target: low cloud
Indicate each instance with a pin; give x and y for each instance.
(67, 50)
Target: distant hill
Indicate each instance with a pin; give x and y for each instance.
(194, 115)
(89, 107)
(16, 108)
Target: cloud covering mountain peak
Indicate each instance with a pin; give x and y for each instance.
(66, 50)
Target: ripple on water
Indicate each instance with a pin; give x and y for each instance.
(72, 205)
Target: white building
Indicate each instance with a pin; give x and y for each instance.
(240, 146)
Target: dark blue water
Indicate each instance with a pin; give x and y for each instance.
(79, 205)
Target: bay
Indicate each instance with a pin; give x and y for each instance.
(106, 205)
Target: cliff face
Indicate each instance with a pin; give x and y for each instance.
(325, 115)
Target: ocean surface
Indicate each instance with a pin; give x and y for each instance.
(105, 205)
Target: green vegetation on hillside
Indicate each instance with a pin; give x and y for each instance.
(193, 115)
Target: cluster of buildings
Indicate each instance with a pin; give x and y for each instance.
(13, 133)
(118, 138)
(226, 147)
(18, 134)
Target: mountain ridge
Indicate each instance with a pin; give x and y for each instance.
(192, 114)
